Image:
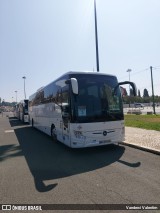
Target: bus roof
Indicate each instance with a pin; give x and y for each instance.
(86, 72)
(80, 72)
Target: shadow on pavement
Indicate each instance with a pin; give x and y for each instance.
(15, 122)
(48, 160)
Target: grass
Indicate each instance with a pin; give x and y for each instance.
(143, 121)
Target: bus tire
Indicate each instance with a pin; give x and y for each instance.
(53, 133)
(32, 123)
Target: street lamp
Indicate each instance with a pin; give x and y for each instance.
(16, 96)
(96, 36)
(129, 70)
(24, 87)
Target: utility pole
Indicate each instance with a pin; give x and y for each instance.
(96, 36)
(152, 91)
(129, 94)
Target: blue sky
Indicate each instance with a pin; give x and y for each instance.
(43, 39)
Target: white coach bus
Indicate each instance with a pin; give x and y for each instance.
(16, 111)
(80, 109)
(23, 111)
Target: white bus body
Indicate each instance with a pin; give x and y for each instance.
(16, 111)
(80, 109)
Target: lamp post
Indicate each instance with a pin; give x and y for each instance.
(96, 36)
(129, 70)
(16, 96)
(24, 87)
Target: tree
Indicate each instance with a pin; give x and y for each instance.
(131, 92)
(139, 94)
(145, 93)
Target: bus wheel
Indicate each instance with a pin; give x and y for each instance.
(32, 123)
(53, 133)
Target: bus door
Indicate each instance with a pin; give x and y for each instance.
(25, 112)
(65, 125)
(65, 114)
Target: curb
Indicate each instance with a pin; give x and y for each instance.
(154, 151)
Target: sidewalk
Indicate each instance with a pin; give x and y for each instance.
(148, 140)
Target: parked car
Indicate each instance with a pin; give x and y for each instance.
(156, 105)
(139, 105)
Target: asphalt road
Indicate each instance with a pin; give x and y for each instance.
(35, 169)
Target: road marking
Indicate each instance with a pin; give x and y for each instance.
(8, 131)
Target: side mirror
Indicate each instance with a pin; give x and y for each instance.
(74, 84)
(128, 82)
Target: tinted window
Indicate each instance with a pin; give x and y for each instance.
(96, 100)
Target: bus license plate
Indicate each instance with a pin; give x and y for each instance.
(103, 142)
